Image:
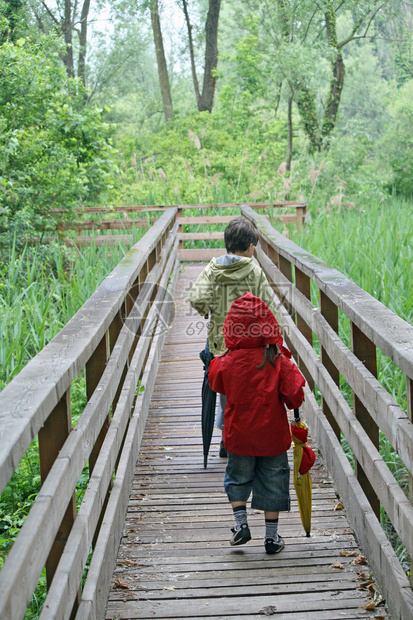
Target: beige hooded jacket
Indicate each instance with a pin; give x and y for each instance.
(221, 284)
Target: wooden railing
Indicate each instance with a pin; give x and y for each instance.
(145, 216)
(293, 272)
(116, 339)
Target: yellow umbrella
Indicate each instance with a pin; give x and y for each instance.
(304, 459)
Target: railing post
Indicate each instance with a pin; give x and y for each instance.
(95, 367)
(52, 436)
(114, 331)
(300, 217)
(180, 229)
(151, 262)
(303, 284)
(330, 312)
(286, 269)
(365, 350)
(409, 395)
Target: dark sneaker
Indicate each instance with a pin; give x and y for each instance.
(222, 452)
(241, 535)
(274, 545)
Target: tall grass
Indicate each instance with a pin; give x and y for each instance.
(40, 290)
(371, 246)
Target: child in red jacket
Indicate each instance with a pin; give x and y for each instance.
(259, 379)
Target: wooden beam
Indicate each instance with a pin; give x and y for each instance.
(365, 350)
(52, 437)
(303, 284)
(211, 219)
(330, 312)
(201, 255)
(208, 236)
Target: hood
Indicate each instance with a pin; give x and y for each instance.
(250, 324)
(225, 274)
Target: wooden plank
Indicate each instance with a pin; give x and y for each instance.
(52, 437)
(211, 219)
(108, 224)
(26, 402)
(365, 350)
(330, 312)
(302, 282)
(235, 607)
(201, 235)
(201, 255)
(99, 240)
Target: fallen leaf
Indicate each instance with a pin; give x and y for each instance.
(363, 575)
(370, 605)
(348, 554)
(380, 615)
(360, 559)
(365, 585)
(144, 484)
(121, 584)
(337, 565)
(338, 506)
(270, 610)
(169, 588)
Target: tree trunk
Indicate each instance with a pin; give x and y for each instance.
(191, 51)
(304, 98)
(67, 27)
(211, 57)
(334, 98)
(81, 67)
(290, 134)
(305, 101)
(337, 81)
(160, 57)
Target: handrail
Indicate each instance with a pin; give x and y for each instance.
(296, 215)
(105, 337)
(291, 270)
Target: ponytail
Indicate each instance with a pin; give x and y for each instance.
(271, 352)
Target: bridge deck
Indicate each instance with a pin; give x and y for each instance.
(175, 561)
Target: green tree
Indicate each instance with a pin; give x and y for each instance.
(53, 150)
(10, 10)
(297, 35)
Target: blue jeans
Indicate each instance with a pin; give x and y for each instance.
(268, 477)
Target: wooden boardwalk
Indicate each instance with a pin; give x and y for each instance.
(175, 561)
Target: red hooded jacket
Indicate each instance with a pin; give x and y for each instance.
(255, 422)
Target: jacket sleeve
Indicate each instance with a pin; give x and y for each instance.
(291, 384)
(215, 375)
(201, 294)
(265, 293)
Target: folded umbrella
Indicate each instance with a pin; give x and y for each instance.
(209, 399)
(304, 459)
